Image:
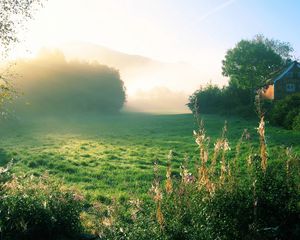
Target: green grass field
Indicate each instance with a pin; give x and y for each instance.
(112, 156)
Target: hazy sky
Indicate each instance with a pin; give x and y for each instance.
(196, 32)
(167, 30)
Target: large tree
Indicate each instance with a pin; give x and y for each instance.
(284, 49)
(13, 15)
(252, 62)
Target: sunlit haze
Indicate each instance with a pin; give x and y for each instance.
(164, 49)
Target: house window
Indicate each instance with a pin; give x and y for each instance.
(290, 87)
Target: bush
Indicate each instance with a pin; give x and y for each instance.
(285, 112)
(206, 100)
(38, 208)
(226, 100)
(296, 123)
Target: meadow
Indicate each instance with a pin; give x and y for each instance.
(112, 156)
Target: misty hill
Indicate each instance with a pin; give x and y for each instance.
(108, 56)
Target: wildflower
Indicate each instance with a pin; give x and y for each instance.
(262, 139)
(288, 153)
(186, 176)
(200, 137)
(169, 185)
(159, 215)
(218, 146)
(78, 197)
(226, 146)
(157, 194)
(3, 170)
(249, 160)
(107, 222)
(136, 203)
(261, 127)
(97, 206)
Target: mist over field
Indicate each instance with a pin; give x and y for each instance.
(70, 79)
(158, 100)
(152, 85)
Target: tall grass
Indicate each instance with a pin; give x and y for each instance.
(226, 196)
(38, 208)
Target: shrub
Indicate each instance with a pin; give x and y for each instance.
(206, 100)
(296, 123)
(226, 100)
(38, 208)
(285, 112)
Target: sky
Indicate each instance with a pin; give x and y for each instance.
(193, 32)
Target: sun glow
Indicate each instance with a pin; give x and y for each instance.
(154, 44)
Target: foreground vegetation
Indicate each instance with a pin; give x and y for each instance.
(204, 196)
(113, 155)
(235, 185)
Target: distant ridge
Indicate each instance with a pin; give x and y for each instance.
(107, 56)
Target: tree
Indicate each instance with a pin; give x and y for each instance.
(226, 100)
(252, 62)
(249, 65)
(52, 85)
(206, 100)
(284, 49)
(12, 18)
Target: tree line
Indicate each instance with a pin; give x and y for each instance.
(52, 85)
(250, 65)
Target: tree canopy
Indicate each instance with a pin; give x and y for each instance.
(13, 16)
(249, 65)
(284, 49)
(252, 62)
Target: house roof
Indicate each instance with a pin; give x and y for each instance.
(292, 65)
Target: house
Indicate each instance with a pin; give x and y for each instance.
(285, 83)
